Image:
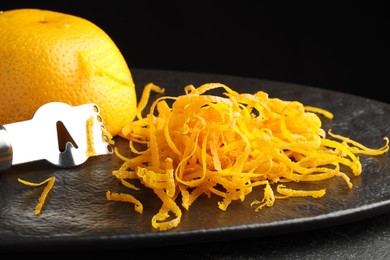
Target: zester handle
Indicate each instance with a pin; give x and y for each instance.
(5, 150)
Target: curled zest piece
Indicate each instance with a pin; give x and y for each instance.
(50, 182)
(268, 200)
(226, 145)
(286, 192)
(114, 196)
(318, 110)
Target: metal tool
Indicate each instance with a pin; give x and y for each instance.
(64, 135)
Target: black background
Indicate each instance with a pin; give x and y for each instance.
(340, 46)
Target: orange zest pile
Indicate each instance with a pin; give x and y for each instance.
(226, 145)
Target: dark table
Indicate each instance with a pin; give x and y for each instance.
(366, 239)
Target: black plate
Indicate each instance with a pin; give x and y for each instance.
(78, 215)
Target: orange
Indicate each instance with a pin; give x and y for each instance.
(50, 56)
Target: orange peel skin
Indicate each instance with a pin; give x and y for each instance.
(225, 146)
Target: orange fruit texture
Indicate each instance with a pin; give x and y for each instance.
(50, 56)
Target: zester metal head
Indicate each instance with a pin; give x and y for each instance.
(62, 134)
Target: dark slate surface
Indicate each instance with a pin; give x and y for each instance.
(77, 219)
